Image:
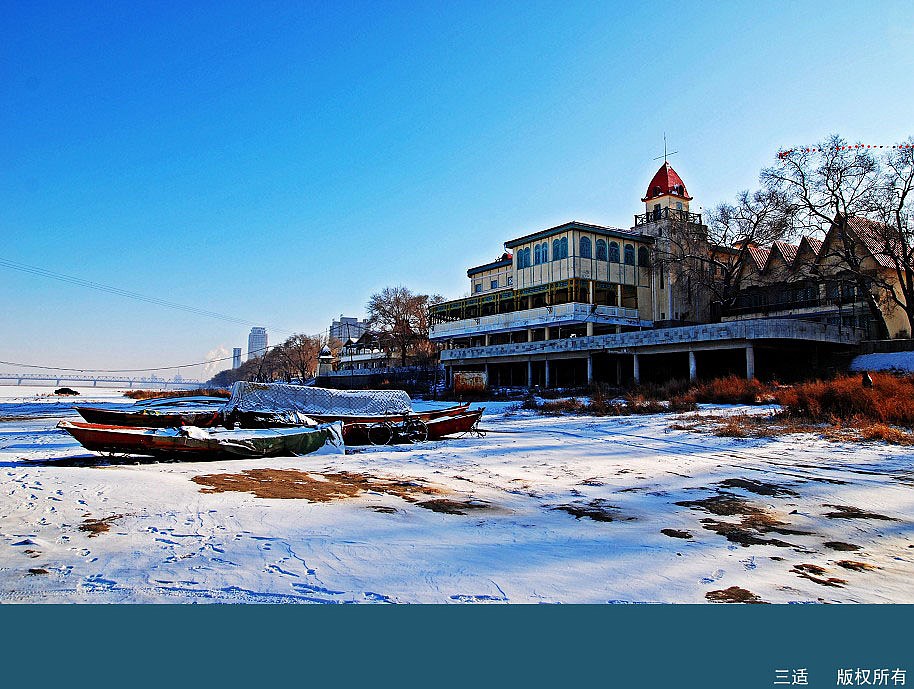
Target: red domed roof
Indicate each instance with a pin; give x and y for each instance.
(666, 181)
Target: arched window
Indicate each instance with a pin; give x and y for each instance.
(585, 249)
(556, 249)
(545, 251)
(523, 258)
(629, 255)
(564, 244)
(537, 257)
(601, 249)
(644, 258)
(614, 252)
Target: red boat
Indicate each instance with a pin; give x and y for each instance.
(424, 416)
(149, 418)
(410, 430)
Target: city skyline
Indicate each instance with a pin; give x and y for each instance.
(203, 156)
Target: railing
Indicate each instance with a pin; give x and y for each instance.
(536, 318)
(790, 305)
(667, 214)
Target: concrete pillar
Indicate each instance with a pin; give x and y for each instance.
(590, 292)
(589, 328)
(529, 334)
(488, 380)
(529, 374)
(590, 369)
(618, 371)
(487, 340)
(619, 296)
(693, 368)
(548, 333)
(548, 381)
(529, 302)
(750, 362)
(636, 368)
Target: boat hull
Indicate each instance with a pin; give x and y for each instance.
(120, 417)
(201, 444)
(383, 432)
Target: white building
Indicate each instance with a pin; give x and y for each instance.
(348, 328)
(257, 342)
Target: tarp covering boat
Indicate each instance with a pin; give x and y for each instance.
(276, 398)
(205, 443)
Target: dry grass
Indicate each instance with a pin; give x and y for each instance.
(94, 527)
(155, 394)
(734, 594)
(890, 401)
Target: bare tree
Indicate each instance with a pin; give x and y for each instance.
(893, 211)
(830, 188)
(298, 356)
(401, 318)
(712, 261)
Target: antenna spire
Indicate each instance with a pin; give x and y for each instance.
(665, 154)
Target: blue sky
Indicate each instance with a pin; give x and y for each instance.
(280, 162)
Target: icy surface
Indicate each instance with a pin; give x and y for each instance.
(167, 541)
(889, 361)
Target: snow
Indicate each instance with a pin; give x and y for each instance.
(887, 361)
(169, 541)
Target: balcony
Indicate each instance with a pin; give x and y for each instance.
(667, 214)
(560, 314)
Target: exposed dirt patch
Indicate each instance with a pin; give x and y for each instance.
(383, 509)
(452, 506)
(675, 533)
(755, 523)
(32, 553)
(843, 547)
(38, 570)
(94, 527)
(856, 566)
(734, 594)
(292, 484)
(816, 574)
(757, 487)
(846, 512)
(599, 510)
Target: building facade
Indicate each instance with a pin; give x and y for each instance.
(580, 302)
(348, 328)
(236, 357)
(257, 342)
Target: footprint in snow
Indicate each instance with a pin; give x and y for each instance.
(714, 577)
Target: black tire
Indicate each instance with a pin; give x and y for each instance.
(380, 433)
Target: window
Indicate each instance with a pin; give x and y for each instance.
(540, 253)
(644, 258)
(493, 284)
(601, 249)
(614, 252)
(629, 255)
(523, 258)
(559, 248)
(510, 280)
(544, 250)
(477, 287)
(585, 248)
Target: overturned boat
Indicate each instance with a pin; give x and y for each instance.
(192, 442)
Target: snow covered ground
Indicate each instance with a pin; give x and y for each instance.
(554, 509)
(885, 361)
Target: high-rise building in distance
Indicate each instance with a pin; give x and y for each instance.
(257, 342)
(348, 328)
(236, 357)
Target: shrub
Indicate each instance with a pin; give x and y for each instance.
(889, 401)
(730, 390)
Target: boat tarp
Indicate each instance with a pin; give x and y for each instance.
(280, 397)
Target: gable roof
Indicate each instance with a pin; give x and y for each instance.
(759, 256)
(870, 234)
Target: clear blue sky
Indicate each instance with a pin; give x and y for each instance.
(281, 162)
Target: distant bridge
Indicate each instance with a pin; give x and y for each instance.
(58, 379)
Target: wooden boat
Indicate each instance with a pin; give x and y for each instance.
(425, 416)
(196, 443)
(411, 430)
(151, 418)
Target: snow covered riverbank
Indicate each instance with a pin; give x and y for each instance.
(542, 509)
